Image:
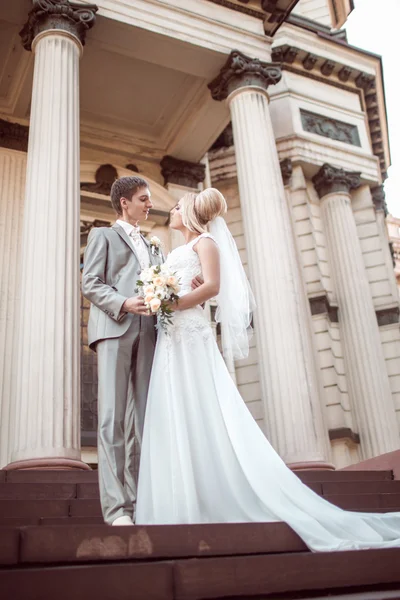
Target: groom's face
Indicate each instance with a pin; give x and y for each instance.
(137, 208)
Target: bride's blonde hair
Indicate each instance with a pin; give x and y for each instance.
(199, 209)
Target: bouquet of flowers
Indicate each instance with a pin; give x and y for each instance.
(159, 286)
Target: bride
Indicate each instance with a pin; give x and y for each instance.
(204, 459)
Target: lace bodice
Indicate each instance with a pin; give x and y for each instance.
(191, 323)
(186, 263)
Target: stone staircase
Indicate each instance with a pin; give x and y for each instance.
(54, 545)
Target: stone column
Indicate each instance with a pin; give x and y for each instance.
(47, 420)
(378, 198)
(365, 364)
(12, 177)
(289, 380)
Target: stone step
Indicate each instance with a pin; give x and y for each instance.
(68, 521)
(27, 509)
(315, 475)
(98, 543)
(85, 508)
(289, 575)
(359, 487)
(70, 476)
(49, 476)
(37, 491)
(91, 490)
(365, 502)
(278, 574)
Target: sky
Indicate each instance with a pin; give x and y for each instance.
(374, 25)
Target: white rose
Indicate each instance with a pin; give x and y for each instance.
(159, 293)
(155, 304)
(155, 241)
(172, 281)
(159, 281)
(148, 289)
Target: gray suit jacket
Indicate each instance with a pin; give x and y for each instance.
(111, 269)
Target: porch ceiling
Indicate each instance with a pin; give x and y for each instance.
(142, 93)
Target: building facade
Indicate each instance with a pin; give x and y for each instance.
(266, 101)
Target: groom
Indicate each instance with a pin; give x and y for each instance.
(123, 335)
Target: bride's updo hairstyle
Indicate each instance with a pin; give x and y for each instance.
(199, 209)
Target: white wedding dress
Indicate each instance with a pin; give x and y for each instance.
(205, 460)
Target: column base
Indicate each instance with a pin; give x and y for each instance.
(54, 464)
(311, 466)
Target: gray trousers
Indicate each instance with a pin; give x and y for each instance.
(124, 368)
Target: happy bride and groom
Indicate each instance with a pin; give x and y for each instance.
(203, 457)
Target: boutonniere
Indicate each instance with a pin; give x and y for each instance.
(155, 245)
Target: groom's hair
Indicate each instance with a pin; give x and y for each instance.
(125, 187)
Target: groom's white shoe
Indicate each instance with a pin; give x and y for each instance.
(124, 520)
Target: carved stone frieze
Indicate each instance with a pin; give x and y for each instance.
(242, 71)
(58, 14)
(286, 170)
(104, 178)
(364, 81)
(331, 179)
(14, 136)
(330, 128)
(379, 198)
(182, 172)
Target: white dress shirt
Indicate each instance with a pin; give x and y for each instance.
(138, 243)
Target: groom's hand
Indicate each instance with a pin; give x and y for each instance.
(136, 306)
(197, 282)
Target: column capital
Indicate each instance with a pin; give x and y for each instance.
(242, 71)
(64, 15)
(182, 172)
(331, 179)
(378, 198)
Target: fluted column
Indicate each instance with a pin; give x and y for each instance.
(289, 381)
(47, 420)
(12, 189)
(364, 361)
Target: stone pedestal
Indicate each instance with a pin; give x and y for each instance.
(47, 415)
(12, 189)
(365, 366)
(290, 387)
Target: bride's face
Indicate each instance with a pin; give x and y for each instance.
(176, 217)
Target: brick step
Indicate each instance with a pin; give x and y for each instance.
(298, 574)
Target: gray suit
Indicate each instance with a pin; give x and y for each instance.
(125, 347)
